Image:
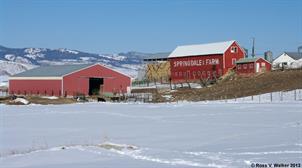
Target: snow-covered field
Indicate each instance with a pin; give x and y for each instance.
(3, 80)
(213, 134)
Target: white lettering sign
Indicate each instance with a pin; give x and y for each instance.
(199, 62)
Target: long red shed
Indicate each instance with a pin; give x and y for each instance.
(204, 61)
(248, 66)
(70, 80)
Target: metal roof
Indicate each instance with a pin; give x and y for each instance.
(246, 60)
(294, 55)
(157, 57)
(201, 49)
(52, 71)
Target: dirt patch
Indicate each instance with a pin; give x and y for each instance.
(60, 100)
(38, 100)
(239, 86)
(144, 90)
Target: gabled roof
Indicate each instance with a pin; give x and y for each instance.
(52, 71)
(201, 49)
(246, 60)
(294, 55)
(158, 57)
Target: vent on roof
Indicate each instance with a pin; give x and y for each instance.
(246, 52)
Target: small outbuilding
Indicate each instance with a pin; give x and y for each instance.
(287, 59)
(252, 65)
(70, 80)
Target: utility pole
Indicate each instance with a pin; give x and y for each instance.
(253, 49)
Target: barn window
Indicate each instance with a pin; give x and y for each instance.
(252, 66)
(176, 73)
(180, 74)
(262, 64)
(199, 73)
(220, 72)
(233, 61)
(204, 74)
(209, 74)
(194, 73)
(244, 66)
(238, 66)
(185, 74)
(234, 49)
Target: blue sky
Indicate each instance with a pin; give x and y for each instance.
(112, 26)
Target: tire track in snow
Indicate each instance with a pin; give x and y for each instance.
(119, 149)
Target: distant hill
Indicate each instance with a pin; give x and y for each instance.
(15, 60)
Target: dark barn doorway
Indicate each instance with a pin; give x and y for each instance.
(95, 86)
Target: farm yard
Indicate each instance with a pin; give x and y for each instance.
(150, 84)
(203, 134)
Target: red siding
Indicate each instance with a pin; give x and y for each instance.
(251, 67)
(196, 67)
(246, 68)
(204, 70)
(267, 67)
(78, 82)
(230, 57)
(35, 87)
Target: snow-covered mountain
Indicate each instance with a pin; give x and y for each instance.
(9, 67)
(15, 60)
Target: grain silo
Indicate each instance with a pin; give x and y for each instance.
(268, 55)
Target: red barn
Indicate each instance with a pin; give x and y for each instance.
(252, 65)
(69, 80)
(204, 61)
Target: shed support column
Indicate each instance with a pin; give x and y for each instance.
(62, 89)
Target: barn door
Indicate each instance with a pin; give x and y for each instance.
(95, 86)
(188, 75)
(257, 67)
(101, 89)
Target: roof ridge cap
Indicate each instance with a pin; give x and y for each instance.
(206, 43)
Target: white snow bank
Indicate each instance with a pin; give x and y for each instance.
(3, 80)
(106, 145)
(283, 96)
(114, 146)
(167, 97)
(21, 100)
(50, 97)
(296, 64)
